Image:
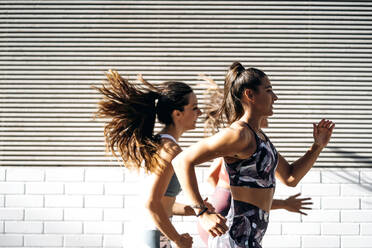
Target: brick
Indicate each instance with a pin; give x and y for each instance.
(200, 172)
(340, 229)
(104, 201)
(130, 188)
(355, 216)
(103, 227)
(284, 216)
(12, 188)
(186, 227)
(2, 201)
(282, 190)
(311, 177)
(322, 216)
(178, 218)
(44, 214)
(205, 188)
(2, 174)
(366, 229)
(83, 240)
(25, 174)
(301, 228)
(8, 240)
(339, 176)
(64, 174)
(281, 241)
(131, 201)
(63, 227)
(356, 241)
(187, 218)
(356, 190)
(366, 177)
(44, 188)
(340, 203)
(321, 189)
(43, 240)
(26, 201)
(131, 176)
(316, 203)
(64, 201)
(115, 188)
(321, 241)
(11, 214)
(112, 241)
(366, 203)
(80, 214)
(274, 229)
(84, 188)
(105, 174)
(132, 238)
(121, 214)
(23, 227)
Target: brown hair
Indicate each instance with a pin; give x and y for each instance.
(236, 81)
(132, 110)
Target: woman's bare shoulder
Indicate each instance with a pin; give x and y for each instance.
(239, 130)
(168, 149)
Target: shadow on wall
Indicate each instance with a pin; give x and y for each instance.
(348, 175)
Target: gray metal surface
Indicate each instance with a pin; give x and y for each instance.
(316, 53)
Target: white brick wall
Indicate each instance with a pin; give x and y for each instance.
(91, 207)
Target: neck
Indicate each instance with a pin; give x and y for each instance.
(253, 121)
(173, 131)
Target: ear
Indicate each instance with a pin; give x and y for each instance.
(176, 114)
(248, 95)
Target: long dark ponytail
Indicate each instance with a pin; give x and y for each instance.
(132, 110)
(236, 81)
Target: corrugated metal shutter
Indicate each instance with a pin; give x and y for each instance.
(317, 54)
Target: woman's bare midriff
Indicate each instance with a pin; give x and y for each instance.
(168, 203)
(260, 197)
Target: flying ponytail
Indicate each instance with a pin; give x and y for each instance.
(132, 110)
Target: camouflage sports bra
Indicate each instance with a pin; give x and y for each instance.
(257, 171)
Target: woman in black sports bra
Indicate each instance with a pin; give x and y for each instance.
(252, 161)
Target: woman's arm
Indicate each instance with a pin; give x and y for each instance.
(182, 209)
(292, 204)
(291, 174)
(229, 142)
(159, 186)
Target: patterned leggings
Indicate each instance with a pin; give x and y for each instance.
(247, 226)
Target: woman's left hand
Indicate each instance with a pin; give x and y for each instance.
(294, 204)
(322, 132)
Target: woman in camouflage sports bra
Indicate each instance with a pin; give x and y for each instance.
(252, 161)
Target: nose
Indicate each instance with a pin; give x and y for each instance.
(275, 96)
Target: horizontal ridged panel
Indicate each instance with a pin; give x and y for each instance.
(316, 53)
